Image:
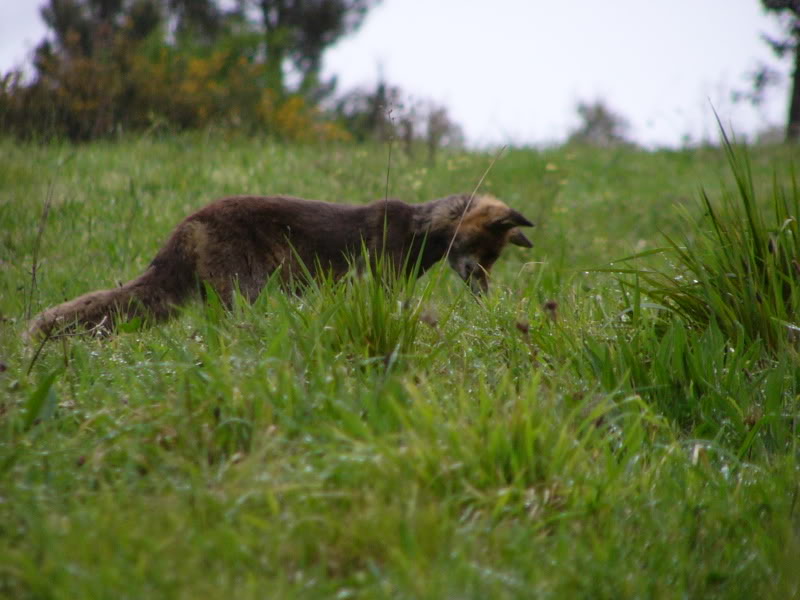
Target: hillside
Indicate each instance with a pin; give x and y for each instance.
(566, 437)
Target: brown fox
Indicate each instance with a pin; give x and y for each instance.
(242, 240)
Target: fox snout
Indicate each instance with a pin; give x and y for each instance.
(486, 228)
(472, 273)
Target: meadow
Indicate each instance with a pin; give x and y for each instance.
(596, 427)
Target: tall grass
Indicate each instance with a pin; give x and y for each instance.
(372, 315)
(711, 337)
(738, 267)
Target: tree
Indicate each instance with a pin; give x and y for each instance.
(86, 27)
(789, 45)
(296, 32)
(387, 112)
(368, 114)
(201, 19)
(82, 66)
(600, 125)
(108, 66)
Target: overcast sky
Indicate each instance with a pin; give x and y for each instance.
(513, 70)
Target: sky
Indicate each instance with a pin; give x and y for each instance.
(513, 71)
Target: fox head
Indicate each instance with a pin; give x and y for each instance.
(482, 226)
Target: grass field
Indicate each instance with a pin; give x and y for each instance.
(569, 437)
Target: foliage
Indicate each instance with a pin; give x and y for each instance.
(788, 11)
(113, 66)
(297, 32)
(200, 20)
(388, 113)
(557, 439)
(157, 86)
(90, 28)
(760, 80)
(600, 126)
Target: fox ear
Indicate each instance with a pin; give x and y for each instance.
(511, 219)
(518, 238)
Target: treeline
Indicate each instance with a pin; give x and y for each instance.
(112, 66)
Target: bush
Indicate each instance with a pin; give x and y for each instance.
(136, 86)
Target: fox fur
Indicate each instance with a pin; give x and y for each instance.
(242, 240)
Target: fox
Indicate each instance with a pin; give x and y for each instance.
(239, 242)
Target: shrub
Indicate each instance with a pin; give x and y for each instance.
(135, 86)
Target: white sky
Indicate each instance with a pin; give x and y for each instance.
(513, 70)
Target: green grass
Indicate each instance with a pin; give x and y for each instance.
(737, 251)
(359, 442)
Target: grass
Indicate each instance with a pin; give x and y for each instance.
(567, 437)
(741, 254)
